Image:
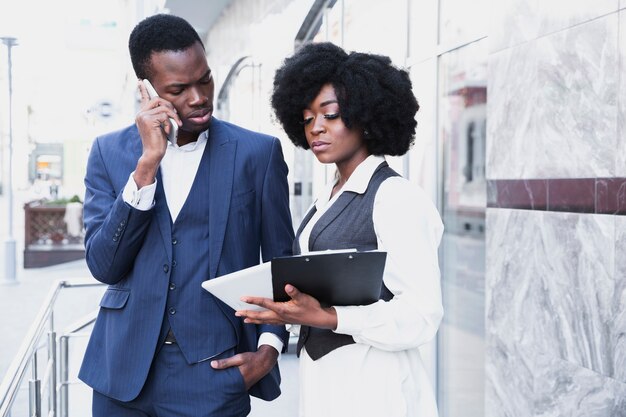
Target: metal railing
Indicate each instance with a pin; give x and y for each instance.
(51, 382)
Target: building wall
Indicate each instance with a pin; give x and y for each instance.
(264, 31)
(261, 33)
(555, 263)
(554, 288)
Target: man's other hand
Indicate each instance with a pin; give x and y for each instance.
(252, 365)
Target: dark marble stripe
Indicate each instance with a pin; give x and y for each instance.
(524, 194)
(611, 195)
(574, 195)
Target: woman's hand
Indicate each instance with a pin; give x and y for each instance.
(301, 309)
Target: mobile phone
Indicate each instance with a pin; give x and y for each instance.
(173, 126)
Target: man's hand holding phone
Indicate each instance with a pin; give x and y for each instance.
(171, 128)
(157, 119)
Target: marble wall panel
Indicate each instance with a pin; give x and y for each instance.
(552, 107)
(524, 383)
(620, 154)
(565, 389)
(552, 287)
(619, 300)
(508, 380)
(555, 314)
(517, 21)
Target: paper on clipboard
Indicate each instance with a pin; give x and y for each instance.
(255, 281)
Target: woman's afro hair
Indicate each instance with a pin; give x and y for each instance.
(373, 95)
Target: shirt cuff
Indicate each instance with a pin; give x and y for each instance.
(271, 339)
(293, 329)
(141, 199)
(347, 320)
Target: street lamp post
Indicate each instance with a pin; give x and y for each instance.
(9, 243)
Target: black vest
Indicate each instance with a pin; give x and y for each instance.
(347, 224)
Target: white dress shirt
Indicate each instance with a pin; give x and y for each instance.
(382, 374)
(179, 167)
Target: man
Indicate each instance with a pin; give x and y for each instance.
(161, 218)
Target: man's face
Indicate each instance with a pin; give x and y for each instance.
(184, 79)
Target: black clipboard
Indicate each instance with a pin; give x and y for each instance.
(338, 279)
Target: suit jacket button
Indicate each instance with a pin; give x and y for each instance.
(172, 310)
(172, 286)
(166, 268)
(174, 241)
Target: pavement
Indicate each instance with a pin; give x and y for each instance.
(23, 300)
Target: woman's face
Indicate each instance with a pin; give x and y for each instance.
(328, 137)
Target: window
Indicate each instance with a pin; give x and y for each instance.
(462, 122)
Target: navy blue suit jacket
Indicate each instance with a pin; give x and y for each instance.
(132, 251)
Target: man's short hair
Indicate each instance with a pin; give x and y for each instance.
(158, 33)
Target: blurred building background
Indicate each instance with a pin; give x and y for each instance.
(520, 143)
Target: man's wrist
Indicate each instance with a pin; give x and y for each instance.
(145, 173)
(269, 355)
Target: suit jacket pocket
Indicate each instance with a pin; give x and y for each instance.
(242, 199)
(115, 298)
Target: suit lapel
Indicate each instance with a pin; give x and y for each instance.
(222, 152)
(163, 216)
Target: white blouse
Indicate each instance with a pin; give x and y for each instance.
(383, 374)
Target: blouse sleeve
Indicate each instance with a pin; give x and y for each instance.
(409, 228)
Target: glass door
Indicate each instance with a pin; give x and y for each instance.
(462, 133)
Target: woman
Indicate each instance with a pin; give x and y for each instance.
(350, 110)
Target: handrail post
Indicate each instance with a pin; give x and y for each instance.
(58, 377)
(52, 357)
(34, 391)
(64, 376)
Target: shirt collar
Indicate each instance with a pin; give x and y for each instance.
(191, 146)
(360, 178)
(358, 181)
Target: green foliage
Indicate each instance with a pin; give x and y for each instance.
(63, 201)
